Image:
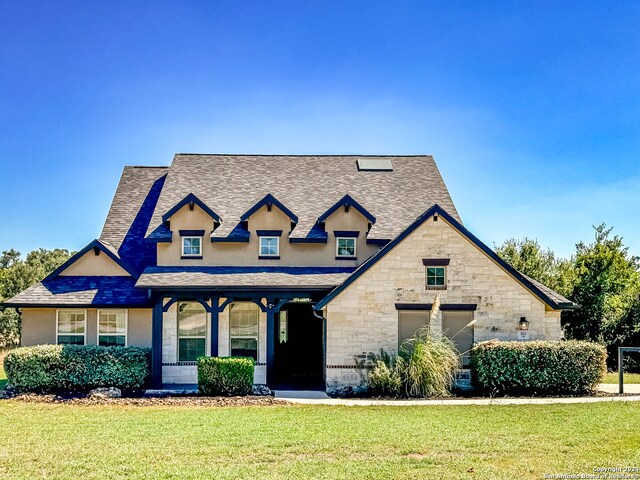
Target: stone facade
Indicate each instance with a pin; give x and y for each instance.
(363, 318)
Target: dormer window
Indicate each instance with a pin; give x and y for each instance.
(192, 247)
(346, 244)
(345, 247)
(269, 247)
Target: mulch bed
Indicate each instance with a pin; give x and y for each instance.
(195, 401)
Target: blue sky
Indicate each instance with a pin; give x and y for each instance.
(531, 109)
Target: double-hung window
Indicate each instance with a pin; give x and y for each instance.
(243, 319)
(71, 327)
(269, 246)
(192, 331)
(191, 246)
(345, 247)
(112, 328)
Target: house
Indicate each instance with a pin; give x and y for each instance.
(301, 262)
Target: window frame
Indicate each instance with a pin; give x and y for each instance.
(355, 247)
(257, 336)
(126, 325)
(444, 277)
(178, 336)
(269, 255)
(188, 255)
(75, 310)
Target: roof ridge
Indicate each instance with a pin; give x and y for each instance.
(302, 155)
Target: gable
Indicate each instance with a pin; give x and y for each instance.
(480, 262)
(105, 262)
(91, 264)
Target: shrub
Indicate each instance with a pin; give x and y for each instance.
(430, 364)
(384, 377)
(537, 368)
(76, 368)
(225, 375)
(425, 367)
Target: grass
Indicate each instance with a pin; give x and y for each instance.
(629, 378)
(482, 442)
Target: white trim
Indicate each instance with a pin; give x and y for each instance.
(355, 246)
(199, 254)
(277, 239)
(126, 325)
(74, 310)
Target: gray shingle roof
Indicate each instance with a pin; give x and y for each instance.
(553, 295)
(307, 184)
(81, 291)
(132, 191)
(258, 277)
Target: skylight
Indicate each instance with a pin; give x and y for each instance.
(375, 165)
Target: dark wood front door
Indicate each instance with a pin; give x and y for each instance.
(299, 348)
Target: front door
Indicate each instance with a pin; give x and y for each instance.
(299, 348)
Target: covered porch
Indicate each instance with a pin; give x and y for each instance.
(281, 332)
(227, 314)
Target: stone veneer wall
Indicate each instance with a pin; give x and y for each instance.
(173, 372)
(363, 318)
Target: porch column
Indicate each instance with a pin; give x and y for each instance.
(271, 340)
(215, 315)
(156, 345)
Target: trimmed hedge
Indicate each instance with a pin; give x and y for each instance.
(537, 368)
(77, 368)
(225, 375)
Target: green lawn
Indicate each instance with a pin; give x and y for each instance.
(628, 378)
(481, 442)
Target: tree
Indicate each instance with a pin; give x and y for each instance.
(607, 285)
(528, 257)
(15, 276)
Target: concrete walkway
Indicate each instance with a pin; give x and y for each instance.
(633, 388)
(301, 395)
(362, 402)
(314, 397)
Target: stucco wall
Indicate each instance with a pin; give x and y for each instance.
(94, 265)
(39, 326)
(363, 318)
(247, 253)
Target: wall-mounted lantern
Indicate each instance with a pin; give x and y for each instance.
(523, 329)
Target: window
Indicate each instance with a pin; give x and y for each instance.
(345, 247)
(192, 331)
(112, 328)
(436, 277)
(71, 327)
(269, 246)
(243, 330)
(191, 246)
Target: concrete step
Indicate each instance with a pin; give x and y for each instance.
(301, 394)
